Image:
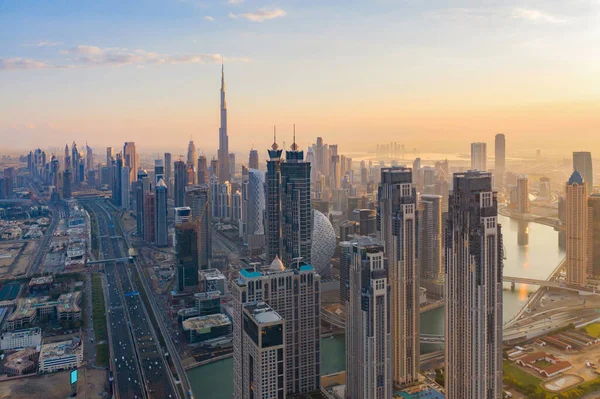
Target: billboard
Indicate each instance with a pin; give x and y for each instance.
(74, 376)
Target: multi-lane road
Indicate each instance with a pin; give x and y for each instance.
(139, 366)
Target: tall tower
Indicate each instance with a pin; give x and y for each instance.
(162, 225)
(576, 230)
(202, 170)
(168, 173)
(582, 163)
(223, 138)
(296, 206)
(130, 159)
(523, 194)
(431, 263)
(500, 156)
(473, 245)
(89, 158)
(198, 198)
(142, 186)
(180, 182)
(397, 222)
(253, 160)
(273, 202)
(479, 156)
(368, 330)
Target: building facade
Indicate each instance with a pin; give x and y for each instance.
(273, 217)
(431, 260)
(479, 156)
(500, 159)
(162, 224)
(198, 198)
(576, 230)
(582, 163)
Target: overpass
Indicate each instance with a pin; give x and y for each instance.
(547, 283)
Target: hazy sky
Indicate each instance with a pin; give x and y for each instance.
(424, 73)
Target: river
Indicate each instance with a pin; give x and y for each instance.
(531, 251)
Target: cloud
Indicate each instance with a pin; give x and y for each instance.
(12, 64)
(209, 18)
(235, 2)
(49, 44)
(535, 16)
(260, 15)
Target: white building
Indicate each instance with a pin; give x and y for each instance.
(63, 355)
(30, 337)
(479, 156)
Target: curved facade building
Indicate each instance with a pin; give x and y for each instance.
(323, 245)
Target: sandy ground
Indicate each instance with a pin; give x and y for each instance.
(14, 249)
(28, 253)
(91, 385)
(128, 222)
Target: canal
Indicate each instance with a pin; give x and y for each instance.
(531, 251)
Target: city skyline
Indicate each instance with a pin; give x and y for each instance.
(166, 81)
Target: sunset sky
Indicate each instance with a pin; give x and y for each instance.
(424, 73)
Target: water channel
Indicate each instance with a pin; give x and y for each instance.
(531, 251)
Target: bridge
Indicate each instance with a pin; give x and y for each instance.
(548, 283)
(116, 260)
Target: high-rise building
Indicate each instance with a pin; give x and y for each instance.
(582, 163)
(110, 154)
(223, 154)
(66, 184)
(523, 194)
(162, 226)
(473, 247)
(159, 171)
(296, 207)
(130, 159)
(187, 254)
(294, 293)
(198, 198)
(168, 173)
(202, 170)
(89, 158)
(125, 184)
(368, 330)
(253, 160)
(273, 219)
(263, 363)
(142, 186)
(223, 203)
(117, 194)
(182, 214)
(479, 156)
(231, 163)
(149, 217)
(594, 235)
(500, 159)
(335, 173)
(180, 182)
(431, 261)
(255, 209)
(576, 229)
(191, 154)
(397, 221)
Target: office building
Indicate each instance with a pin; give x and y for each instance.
(191, 154)
(345, 260)
(263, 359)
(207, 302)
(368, 330)
(125, 187)
(479, 156)
(168, 173)
(142, 186)
(162, 225)
(214, 169)
(66, 185)
(63, 355)
(223, 205)
(473, 247)
(231, 165)
(223, 153)
(296, 207)
(594, 235)
(294, 293)
(130, 159)
(180, 182)
(202, 170)
(159, 171)
(253, 159)
(255, 209)
(26, 338)
(576, 230)
(203, 328)
(523, 195)
(110, 154)
(397, 220)
(431, 261)
(500, 159)
(198, 198)
(187, 255)
(183, 214)
(273, 218)
(582, 163)
(149, 216)
(236, 207)
(211, 280)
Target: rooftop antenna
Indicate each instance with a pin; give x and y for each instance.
(294, 145)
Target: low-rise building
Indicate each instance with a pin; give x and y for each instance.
(63, 355)
(544, 363)
(198, 329)
(30, 337)
(211, 280)
(21, 362)
(66, 307)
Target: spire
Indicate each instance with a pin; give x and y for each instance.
(294, 146)
(274, 146)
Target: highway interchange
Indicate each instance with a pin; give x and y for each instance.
(139, 366)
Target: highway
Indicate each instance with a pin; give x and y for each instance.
(141, 370)
(43, 248)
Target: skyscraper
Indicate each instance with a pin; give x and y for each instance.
(473, 246)
(202, 170)
(149, 217)
(180, 182)
(159, 171)
(255, 209)
(110, 153)
(296, 206)
(273, 203)
(500, 159)
(523, 194)
(576, 229)
(582, 163)
(89, 158)
(231, 165)
(125, 191)
(397, 220)
(130, 159)
(223, 138)
(594, 235)
(263, 357)
(198, 198)
(368, 330)
(162, 226)
(479, 156)
(142, 186)
(66, 184)
(191, 154)
(294, 293)
(430, 244)
(187, 253)
(168, 173)
(253, 160)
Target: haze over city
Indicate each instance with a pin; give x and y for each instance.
(420, 73)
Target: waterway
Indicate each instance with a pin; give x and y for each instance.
(531, 251)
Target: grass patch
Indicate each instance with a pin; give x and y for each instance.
(102, 355)
(522, 381)
(98, 310)
(593, 330)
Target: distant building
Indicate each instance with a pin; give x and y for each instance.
(149, 216)
(253, 160)
(61, 356)
(500, 159)
(187, 256)
(479, 156)
(594, 235)
(198, 198)
(159, 171)
(582, 163)
(545, 188)
(431, 260)
(255, 209)
(202, 328)
(169, 173)
(208, 303)
(125, 187)
(212, 280)
(576, 230)
(273, 217)
(21, 362)
(523, 195)
(202, 170)
(162, 226)
(142, 186)
(29, 337)
(130, 159)
(180, 183)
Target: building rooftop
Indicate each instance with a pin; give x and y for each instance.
(211, 274)
(41, 280)
(22, 333)
(575, 178)
(60, 349)
(208, 295)
(262, 313)
(202, 322)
